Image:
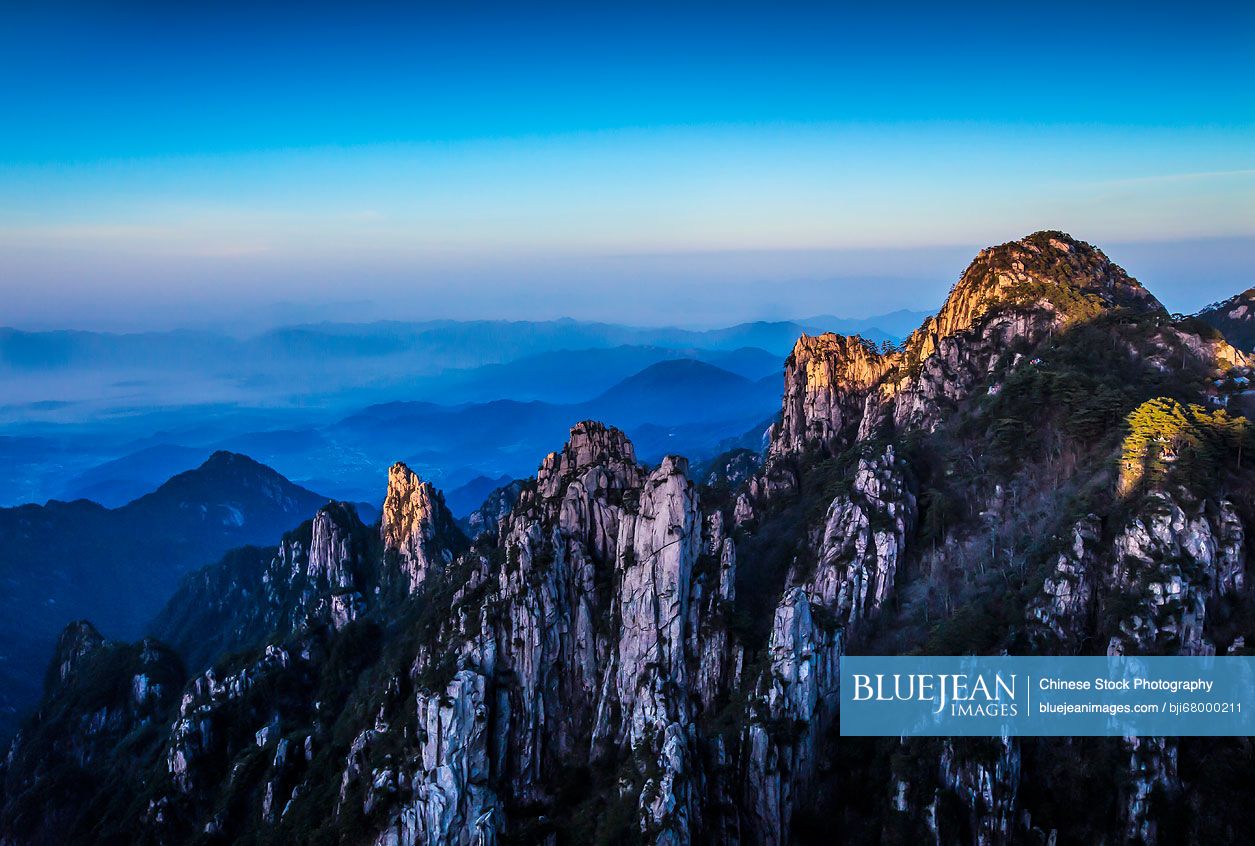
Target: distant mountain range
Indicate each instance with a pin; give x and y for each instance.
(438, 345)
(72, 377)
(67, 560)
(667, 406)
(108, 416)
(893, 326)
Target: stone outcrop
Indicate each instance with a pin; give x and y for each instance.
(451, 800)
(988, 786)
(78, 641)
(660, 546)
(1172, 557)
(591, 445)
(416, 525)
(732, 469)
(195, 744)
(100, 697)
(318, 576)
(864, 535)
(792, 708)
(539, 684)
(1065, 607)
(495, 508)
(825, 382)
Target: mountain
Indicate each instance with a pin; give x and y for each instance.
(683, 401)
(465, 499)
(751, 362)
(571, 375)
(394, 349)
(68, 560)
(108, 417)
(117, 482)
(633, 653)
(80, 378)
(1234, 318)
(679, 392)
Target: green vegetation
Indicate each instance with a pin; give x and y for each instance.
(1183, 444)
(81, 777)
(1078, 386)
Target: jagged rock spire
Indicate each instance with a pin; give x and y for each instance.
(590, 444)
(824, 380)
(657, 571)
(78, 640)
(416, 524)
(1043, 267)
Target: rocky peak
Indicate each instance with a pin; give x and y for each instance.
(78, 640)
(825, 379)
(837, 388)
(222, 459)
(591, 444)
(1021, 292)
(414, 523)
(1026, 289)
(1050, 269)
(657, 575)
(580, 490)
(864, 535)
(331, 548)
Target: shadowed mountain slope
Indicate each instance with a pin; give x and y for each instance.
(67, 560)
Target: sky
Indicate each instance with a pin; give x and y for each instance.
(168, 164)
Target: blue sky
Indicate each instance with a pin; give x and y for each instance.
(173, 162)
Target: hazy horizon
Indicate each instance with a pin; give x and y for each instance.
(690, 290)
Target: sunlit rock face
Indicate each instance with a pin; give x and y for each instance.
(414, 519)
(825, 380)
(842, 390)
(1050, 269)
(1016, 294)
